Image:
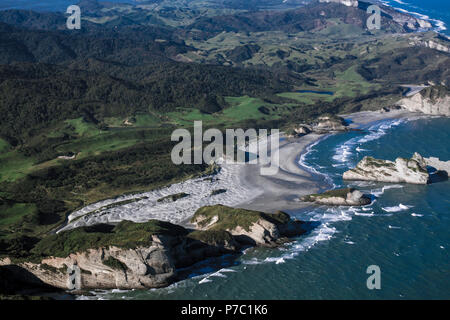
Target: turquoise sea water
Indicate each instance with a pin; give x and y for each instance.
(405, 232)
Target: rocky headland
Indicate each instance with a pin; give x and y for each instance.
(247, 226)
(339, 197)
(401, 170)
(433, 100)
(132, 255)
(438, 165)
(330, 123)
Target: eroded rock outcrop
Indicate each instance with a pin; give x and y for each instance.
(109, 268)
(401, 170)
(431, 44)
(433, 101)
(438, 164)
(302, 129)
(339, 197)
(247, 226)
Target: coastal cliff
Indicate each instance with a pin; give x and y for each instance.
(401, 170)
(323, 124)
(146, 255)
(432, 100)
(348, 3)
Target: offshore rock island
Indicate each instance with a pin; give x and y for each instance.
(339, 197)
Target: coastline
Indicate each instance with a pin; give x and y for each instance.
(246, 187)
(281, 192)
(152, 229)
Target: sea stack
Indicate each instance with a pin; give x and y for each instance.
(339, 197)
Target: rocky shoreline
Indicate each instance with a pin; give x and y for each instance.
(164, 248)
(147, 255)
(433, 100)
(415, 170)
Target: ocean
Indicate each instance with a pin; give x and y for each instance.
(435, 11)
(404, 232)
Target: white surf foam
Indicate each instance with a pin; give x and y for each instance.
(205, 280)
(324, 232)
(364, 214)
(218, 274)
(314, 169)
(401, 2)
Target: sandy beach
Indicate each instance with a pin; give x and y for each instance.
(365, 117)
